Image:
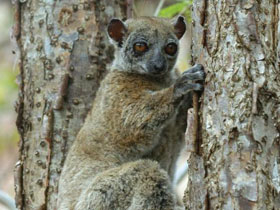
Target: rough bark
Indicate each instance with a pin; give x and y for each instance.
(237, 165)
(64, 53)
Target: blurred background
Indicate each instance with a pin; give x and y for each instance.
(8, 95)
(9, 69)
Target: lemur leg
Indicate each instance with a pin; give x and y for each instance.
(140, 185)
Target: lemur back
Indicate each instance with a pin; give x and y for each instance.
(124, 155)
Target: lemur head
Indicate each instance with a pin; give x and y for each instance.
(146, 45)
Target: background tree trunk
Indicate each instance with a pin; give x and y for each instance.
(237, 162)
(64, 54)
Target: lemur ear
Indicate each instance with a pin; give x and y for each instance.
(179, 26)
(116, 30)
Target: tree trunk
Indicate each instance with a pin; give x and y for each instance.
(236, 165)
(64, 54)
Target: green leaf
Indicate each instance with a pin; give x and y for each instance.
(183, 6)
(172, 10)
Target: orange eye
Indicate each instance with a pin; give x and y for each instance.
(171, 49)
(140, 47)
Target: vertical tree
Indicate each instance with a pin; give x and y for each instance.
(64, 54)
(236, 163)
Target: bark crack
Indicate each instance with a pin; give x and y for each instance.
(196, 123)
(275, 19)
(203, 17)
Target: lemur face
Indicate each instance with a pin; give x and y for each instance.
(147, 45)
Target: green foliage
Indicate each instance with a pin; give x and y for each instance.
(7, 86)
(8, 94)
(181, 7)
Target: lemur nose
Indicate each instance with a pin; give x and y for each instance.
(158, 64)
(158, 67)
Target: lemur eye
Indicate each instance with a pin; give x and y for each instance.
(171, 49)
(140, 47)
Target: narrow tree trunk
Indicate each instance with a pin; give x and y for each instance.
(237, 163)
(64, 55)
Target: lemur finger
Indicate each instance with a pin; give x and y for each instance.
(195, 68)
(194, 76)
